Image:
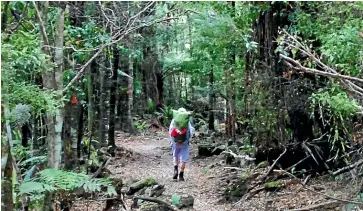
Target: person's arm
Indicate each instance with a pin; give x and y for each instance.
(170, 129)
(171, 126)
(191, 131)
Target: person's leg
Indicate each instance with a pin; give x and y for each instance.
(176, 156)
(184, 154)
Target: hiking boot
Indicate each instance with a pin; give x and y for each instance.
(175, 172)
(181, 176)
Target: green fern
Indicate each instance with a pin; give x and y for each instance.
(31, 187)
(54, 180)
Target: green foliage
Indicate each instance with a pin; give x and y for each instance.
(22, 60)
(140, 125)
(150, 181)
(334, 100)
(58, 181)
(175, 199)
(150, 105)
(337, 29)
(334, 104)
(167, 113)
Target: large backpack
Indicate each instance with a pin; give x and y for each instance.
(181, 120)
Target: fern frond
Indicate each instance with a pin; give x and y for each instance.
(31, 187)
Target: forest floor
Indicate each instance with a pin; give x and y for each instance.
(205, 178)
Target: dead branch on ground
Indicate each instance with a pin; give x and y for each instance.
(273, 165)
(242, 157)
(323, 194)
(324, 205)
(101, 168)
(347, 168)
(156, 200)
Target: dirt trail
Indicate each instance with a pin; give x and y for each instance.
(153, 159)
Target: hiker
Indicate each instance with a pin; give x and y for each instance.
(180, 133)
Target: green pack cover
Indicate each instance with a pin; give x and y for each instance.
(181, 118)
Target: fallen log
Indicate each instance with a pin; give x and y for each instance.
(156, 200)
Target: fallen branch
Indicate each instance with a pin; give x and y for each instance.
(319, 72)
(323, 194)
(273, 165)
(245, 157)
(324, 205)
(101, 168)
(158, 201)
(302, 160)
(234, 168)
(342, 170)
(346, 80)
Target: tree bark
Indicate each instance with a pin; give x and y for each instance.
(211, 100)
(130, 124)
(113, 88)
(58, 76)
(7, 184)
(102, 108)
(232, 91)
(91, 97)
(53, 81)
(80, 130)
(70, 136)
(4, 16)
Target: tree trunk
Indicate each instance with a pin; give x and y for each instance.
(102, 108)
(25, 132)
(7, 183)
(54, 80)
(4, 16)
(130, 124)
(232, 91)
(211, 100)
(80, 130)
(70, 136)
(91, 97)
(58, 76)
(113, 88)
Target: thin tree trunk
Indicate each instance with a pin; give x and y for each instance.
(7, 183)
(54, 80)
(58, 76)
(211, 100)
(113, 88)
(70, 136)
(4, 16)
(91, 100)
(25, 132)
(102, 109)
(80, 131)
(231, 132)
(130, 124)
